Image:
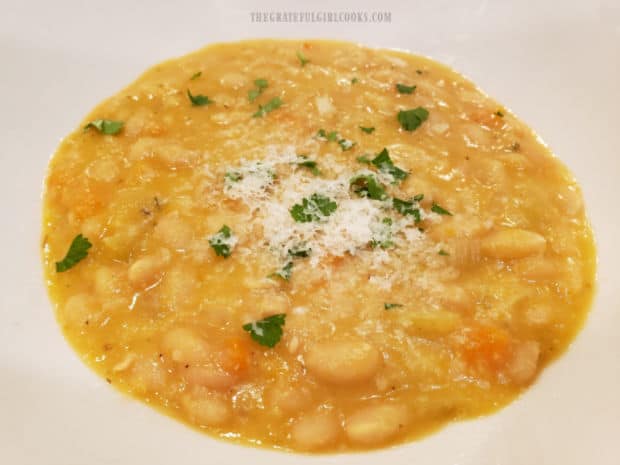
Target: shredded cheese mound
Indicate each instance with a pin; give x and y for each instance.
(357, 223)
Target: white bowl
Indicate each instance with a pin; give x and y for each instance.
(555, 64)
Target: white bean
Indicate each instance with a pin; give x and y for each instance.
(508, 244)
(316, 430)
(375, 424)
(343, 362)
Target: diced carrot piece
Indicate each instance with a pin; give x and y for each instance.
(486, 348)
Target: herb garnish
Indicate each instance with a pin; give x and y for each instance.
(384, 236)
(268, 331)
(222, 242)
(261, 85)
(315, 208)
(355, 80)
(407, 207)
(302, 59)
(78, 250)
(404, 89)
(271, 105)
(105, 126)
(195, 75)
(306, 163)
(366, 185)
(364, 159)
(345, 144)
(411, 119)
(440, 210)
(499, 113)
(284, 272)
(332, 136)
(385, 164)
(198, 100)
(299, 251)
(368, 130)
(389, 306)
(443, 252)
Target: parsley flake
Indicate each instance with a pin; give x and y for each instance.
(443, 252)
(306, 163)
(345, 144)
(389, 306)
(284, 272)
(440, 210)
(78, 250)
(364, 159)
(499, 113)
(198, 100)
(404, 89)
(105, 126)
(368, 130)
(385, 164)
(366, 185)
(195, 76)
(329, 136)
(407, 207)
(299, 251)
(261, 85)
(223, 242)
(268, 331)
(355, 80)
(271, 105)
(302, 59)
(313, 209)
(411, 119)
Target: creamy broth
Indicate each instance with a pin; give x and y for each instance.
(314, 245)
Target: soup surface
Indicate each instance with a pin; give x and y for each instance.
(314, 246)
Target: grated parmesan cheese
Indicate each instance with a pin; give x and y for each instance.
(356, 222)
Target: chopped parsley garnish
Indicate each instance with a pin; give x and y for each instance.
(443, 252)
(405, 207)
(105, 126)
(383, 237)
(271, 105)
(306, 163)
(366, 185)
(499, 113)
(78, 250)
(389, 306)
(345, 144)
(355, 80)
(411, 119)
(330, 136)
(284, 272)
(196, 75)
(313, 209)
(302, 59)
(404, 89)
(385, 164)
(368, 130)
(419, 71)
(268, 331)
(299, 251)
(440, 210)
(261, 85)
(222, 242)
(418, 197)
(364, 159)
(198, 100)
(234, 176)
